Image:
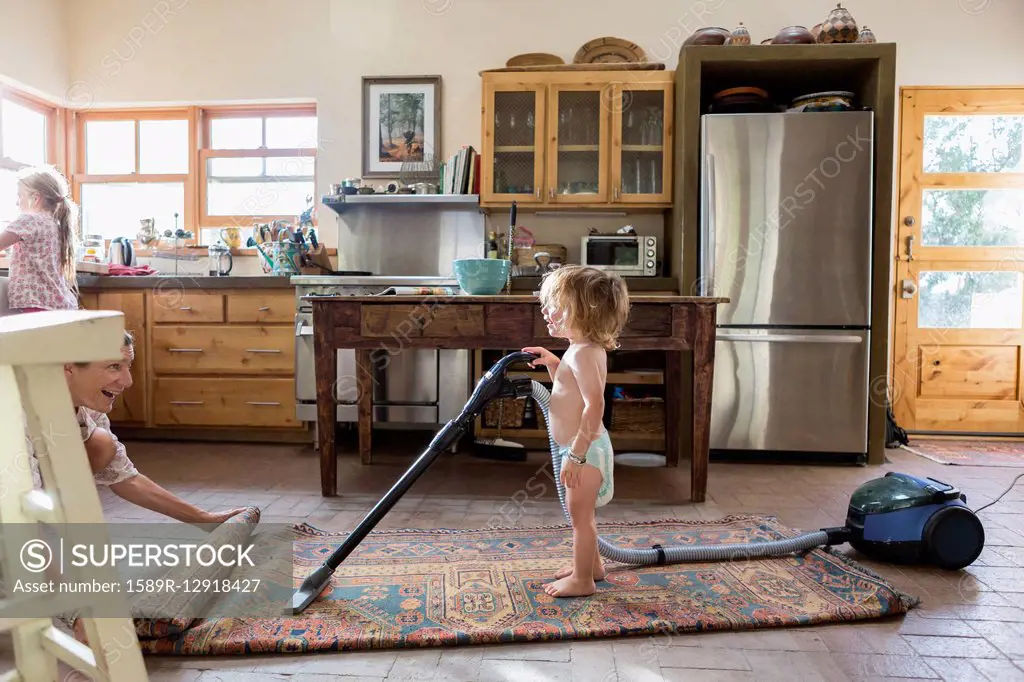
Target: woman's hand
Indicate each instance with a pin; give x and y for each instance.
(546, 359)
(572, 474)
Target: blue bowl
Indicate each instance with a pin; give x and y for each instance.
(481, 276)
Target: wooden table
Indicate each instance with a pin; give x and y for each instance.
(375, 326)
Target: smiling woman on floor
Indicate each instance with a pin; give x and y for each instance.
(94, 387)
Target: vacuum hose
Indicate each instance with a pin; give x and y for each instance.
(678, 554)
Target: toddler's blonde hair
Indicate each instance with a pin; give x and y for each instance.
(595, 303)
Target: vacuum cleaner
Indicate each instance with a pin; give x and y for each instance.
(898, 518)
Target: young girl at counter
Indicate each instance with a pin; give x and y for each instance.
(589, 308)
(42, 244)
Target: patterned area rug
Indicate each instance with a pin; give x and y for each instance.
(416, 588)
(975, 453)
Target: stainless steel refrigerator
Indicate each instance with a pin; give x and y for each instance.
(786, 215)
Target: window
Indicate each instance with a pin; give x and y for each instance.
(27, 137)
(131, 166)
(257, 165)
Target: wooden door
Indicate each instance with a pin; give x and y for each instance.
(578, 153)
(641, 153)
(513, 142)
(959, 311)
(130, 406)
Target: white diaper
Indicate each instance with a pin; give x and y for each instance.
(601, 456)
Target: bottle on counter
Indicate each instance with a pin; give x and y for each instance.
(492, 245)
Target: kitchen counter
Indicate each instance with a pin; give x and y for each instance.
(675, 325)
(166, 282)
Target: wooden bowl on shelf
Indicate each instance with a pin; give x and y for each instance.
(709, 35)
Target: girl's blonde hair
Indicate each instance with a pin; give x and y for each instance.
(595, 303)
(52, 188)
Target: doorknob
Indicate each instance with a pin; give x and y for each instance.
(908, 288)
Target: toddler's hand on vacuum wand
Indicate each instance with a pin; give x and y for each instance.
(546, 358)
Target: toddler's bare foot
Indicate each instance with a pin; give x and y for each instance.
(599, 572)
(571, 586)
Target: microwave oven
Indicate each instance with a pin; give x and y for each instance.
(627, 255)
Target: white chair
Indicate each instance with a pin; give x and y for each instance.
(33, 351)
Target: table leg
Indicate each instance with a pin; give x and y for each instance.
(703, 380)
(364, 405)
(325, 359)
(673, 406)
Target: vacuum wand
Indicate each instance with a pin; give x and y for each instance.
(491, 386)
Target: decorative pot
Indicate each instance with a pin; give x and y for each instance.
(839, 27)
(709, 35)
(740, 36)
(815, 31)
(866, 36)
(793, 35)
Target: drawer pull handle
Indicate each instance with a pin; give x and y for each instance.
(260, 404)
(262, 350)
(184, 350)
(264, 309)
(186, 308)
(186, 402)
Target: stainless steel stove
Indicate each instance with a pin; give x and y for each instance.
(421, 388)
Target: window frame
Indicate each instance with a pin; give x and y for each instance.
(53, 115)
(82, 177)
(206, 152)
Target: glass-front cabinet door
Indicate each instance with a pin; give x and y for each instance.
(578, 154)
(641, 143)
(513, 139)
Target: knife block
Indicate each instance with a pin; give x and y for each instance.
(319, 262)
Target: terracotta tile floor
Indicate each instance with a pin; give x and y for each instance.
(970, 626)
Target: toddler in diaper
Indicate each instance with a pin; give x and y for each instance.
(588, 307)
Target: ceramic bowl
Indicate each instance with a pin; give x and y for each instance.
(794, 35)
(481, 276)
(710, 35)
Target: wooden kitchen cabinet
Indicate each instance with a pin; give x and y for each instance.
(206, 360)
(592, 139)
(130, 406)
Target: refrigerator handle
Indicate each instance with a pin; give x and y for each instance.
(791, 338)
(706, 279)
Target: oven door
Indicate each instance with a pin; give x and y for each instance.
(345, 389)
(615, 254)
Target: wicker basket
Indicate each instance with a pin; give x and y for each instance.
(511, 410)
(638, 415)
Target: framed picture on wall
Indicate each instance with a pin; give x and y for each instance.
(401, 122)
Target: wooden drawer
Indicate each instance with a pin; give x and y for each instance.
(223, 350)
(428, 320)
(175, 305)
(224, 402)
(261, 307)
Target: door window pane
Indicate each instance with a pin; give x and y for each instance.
(972, 217)
(163, 147)
(116, 209)
(969, 300)
(982, 143)
(273, 197)
(236, 133)
(514, 142)
(579, 127)
(110, 147)
(8, 197)
(24, 134)
(235, 168)
(292, 132)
